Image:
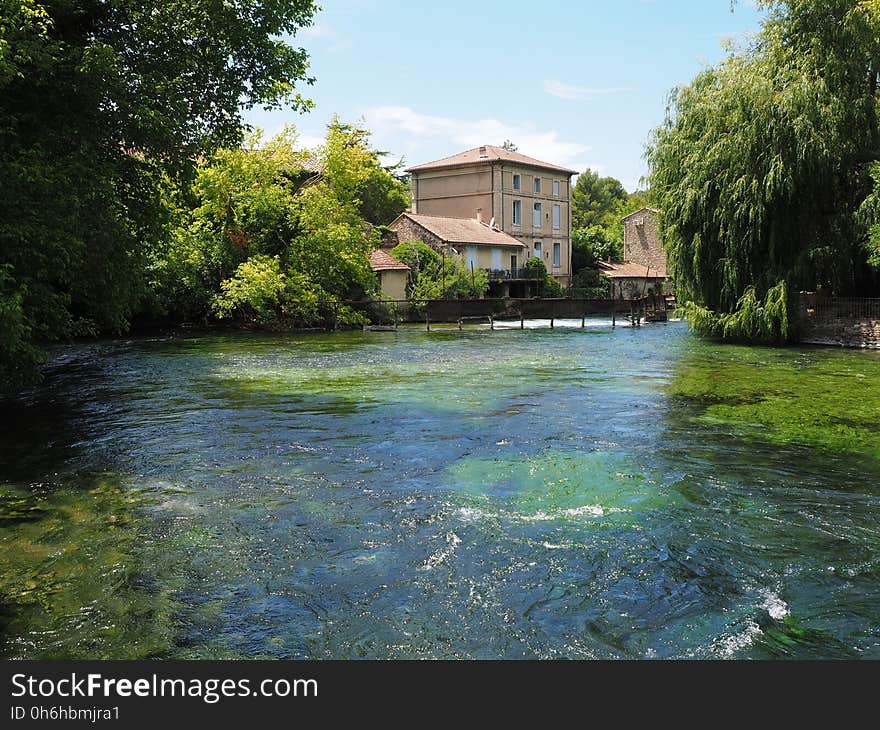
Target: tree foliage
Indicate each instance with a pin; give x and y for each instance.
(763, 162)
(272, 235)
(595, 200)
(101, 103)
(433, 276)
(591, 245)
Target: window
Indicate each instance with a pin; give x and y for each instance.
(537, 184)
(556, 188)
(517, 212)
(537, 249)
(557, 254)
(516, 182)
(536, 218)
(557, 215)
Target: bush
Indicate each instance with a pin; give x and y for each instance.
(19, 358)
(536, 268)
(552, 289)
(254, 293)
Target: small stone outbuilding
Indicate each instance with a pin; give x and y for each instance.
(643, 269)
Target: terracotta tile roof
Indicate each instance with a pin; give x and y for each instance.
(381, 261)
(629, 270)
(488, 153)
(462, 230)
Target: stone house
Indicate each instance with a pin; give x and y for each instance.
(478, 244)
(643, 269)
(524, 198)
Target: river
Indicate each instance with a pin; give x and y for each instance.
(595, 493)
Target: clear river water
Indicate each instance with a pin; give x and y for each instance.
(573, 493)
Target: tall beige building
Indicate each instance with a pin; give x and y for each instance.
(527, 199)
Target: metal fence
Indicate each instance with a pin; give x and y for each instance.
(816, 307)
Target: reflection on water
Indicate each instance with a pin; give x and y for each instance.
(567, 493)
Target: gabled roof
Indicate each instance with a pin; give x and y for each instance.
(462, 230)
(641, 210)
(629, 270)
(381, 261)
(485, 154)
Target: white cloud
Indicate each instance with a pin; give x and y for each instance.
(420, 135)
(327, 36)
(568, 91)
(318, 31)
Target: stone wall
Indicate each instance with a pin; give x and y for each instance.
(641, 243)
(408, 230)
(839, 321)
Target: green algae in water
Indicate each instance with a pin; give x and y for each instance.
(825, 399)
(69, 574)
(559, 485)
(413, 495)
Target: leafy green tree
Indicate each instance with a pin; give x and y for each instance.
(595, 200)
(270, 213)
(433, 276)
(260, 293)
(420, 258)
(100, 103)
(592, 245)
(381, 195)
(763, 162)
(536, 269)
(451, 280)
(255, 292)
(239, 205)
(869, 218)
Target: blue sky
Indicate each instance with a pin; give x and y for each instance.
(575, 83)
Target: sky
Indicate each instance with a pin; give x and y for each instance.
(579, 84)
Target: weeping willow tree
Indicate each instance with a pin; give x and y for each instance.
(763, 163)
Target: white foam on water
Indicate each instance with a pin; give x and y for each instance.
(475, 514)
(595, 510)
(728, 646)
(441, 556)
(775, 606)
(472, 514)
(533, 324)
(589, 510)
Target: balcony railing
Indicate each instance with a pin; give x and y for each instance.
(509, 274)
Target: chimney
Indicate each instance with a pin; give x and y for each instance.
(483, 152)
(479, 215)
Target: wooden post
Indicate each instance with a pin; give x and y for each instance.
(522, 319)
(613, 306)
(491, 323)
(427, 322)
